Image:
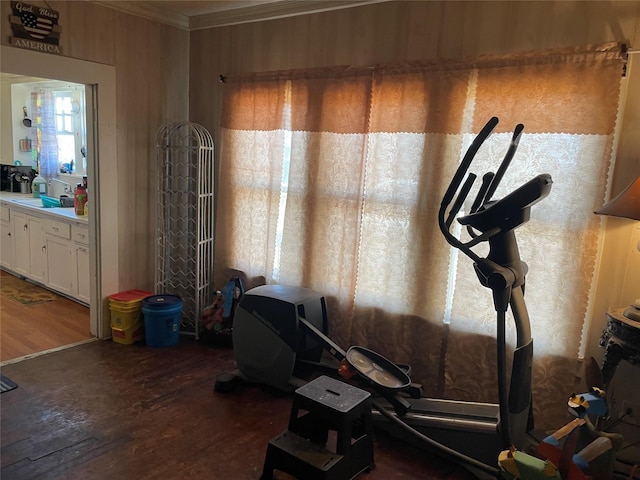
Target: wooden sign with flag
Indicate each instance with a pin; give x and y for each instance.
(35, 28)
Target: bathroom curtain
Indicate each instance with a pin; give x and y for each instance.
(45, 153)
(332, 178)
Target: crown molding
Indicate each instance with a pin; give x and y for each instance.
(221, 17)
(148, 11)
(271, 11)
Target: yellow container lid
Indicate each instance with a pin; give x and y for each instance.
(130, 296)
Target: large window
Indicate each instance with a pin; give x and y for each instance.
(332, 179)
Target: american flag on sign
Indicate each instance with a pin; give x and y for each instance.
(38, 27)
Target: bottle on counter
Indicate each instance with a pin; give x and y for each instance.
(39, 186)
(80, 199)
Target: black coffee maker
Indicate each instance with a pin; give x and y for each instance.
(11, 177)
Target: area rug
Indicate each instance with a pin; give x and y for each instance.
(6, 385)
(24, 292)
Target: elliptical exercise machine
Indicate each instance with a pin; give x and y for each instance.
(479, 431)
(278, 327)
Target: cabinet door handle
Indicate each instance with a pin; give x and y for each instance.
(81, 249)
(25, 226)
(44, 248)
(55, 229)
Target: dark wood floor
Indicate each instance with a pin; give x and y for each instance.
(108, 411)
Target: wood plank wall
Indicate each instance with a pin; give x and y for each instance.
(164, 73)
(417, 30)
(395, 31)
(152, 72)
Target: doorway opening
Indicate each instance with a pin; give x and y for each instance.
(35, 318)
(102, 164)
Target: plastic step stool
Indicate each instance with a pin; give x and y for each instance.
(319, 407)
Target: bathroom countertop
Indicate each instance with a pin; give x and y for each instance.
(23, 200)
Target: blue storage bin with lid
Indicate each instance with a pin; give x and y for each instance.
(162, 320)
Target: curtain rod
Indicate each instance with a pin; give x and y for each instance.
(624, 50)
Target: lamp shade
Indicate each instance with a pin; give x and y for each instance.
(626, 204)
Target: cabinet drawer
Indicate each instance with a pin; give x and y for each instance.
(59, 229)
(4, 214)
(80, 234)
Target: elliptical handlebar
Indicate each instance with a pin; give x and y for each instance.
(488, 217)
(454, 185)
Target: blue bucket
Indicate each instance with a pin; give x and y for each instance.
(162, 320)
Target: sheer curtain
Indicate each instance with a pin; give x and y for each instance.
(45, 153)
(332, 178)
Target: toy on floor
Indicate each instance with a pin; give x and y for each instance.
(593, 403)
(577, 451)
(527, 467)
(595, 451)
(217, 318)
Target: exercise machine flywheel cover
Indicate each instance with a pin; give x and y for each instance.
(377, 369)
